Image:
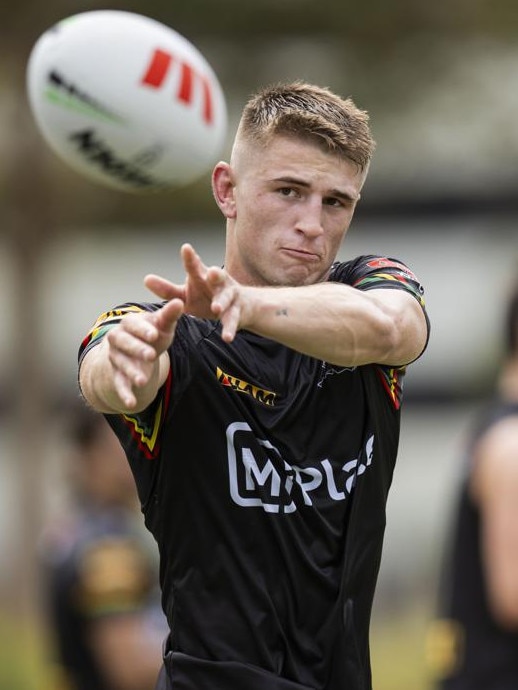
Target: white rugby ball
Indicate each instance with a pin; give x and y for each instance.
(126, 101)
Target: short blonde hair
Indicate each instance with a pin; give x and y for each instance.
(308, 111)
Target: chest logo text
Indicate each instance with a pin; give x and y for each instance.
(259, 394)
(260, 477)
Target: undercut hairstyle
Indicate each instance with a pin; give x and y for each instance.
(309, 112)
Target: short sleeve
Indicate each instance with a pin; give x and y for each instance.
(372, 272)
(108, 320)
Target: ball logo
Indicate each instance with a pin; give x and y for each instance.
(64, 92)
(98, 153)
(159, 68)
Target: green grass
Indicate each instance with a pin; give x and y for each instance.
(398, 651)
(18, 656)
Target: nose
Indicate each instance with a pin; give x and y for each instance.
(309, 222)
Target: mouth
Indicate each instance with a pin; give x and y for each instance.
(301, 254)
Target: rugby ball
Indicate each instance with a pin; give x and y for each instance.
(126, 101)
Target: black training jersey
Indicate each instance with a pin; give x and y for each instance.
(263, 475)
(476, 653)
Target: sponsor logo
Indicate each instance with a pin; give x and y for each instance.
(259, 394)
(260, 478)
(99, 154)
(66, 93)
(158, 70)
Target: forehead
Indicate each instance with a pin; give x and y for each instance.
(291, 156)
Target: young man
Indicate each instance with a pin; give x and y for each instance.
(475, 644)
(258, 405)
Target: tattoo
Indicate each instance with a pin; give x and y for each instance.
(282, 312)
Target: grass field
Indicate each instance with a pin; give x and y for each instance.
(398, 651)
(19, 667)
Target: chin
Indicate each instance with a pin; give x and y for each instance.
(298, 278)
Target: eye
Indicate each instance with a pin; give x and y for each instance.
(335, 202)
(287, 191)
(332, 201)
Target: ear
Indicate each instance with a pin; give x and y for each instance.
(223, 189)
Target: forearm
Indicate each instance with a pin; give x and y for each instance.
(338, 323)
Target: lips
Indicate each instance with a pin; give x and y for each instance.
(301, 254)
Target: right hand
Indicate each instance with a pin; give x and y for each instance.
(137, 351)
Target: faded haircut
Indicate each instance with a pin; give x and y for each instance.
(312, 112)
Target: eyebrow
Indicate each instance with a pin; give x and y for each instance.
(302, 183)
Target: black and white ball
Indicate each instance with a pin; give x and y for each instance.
(126, 101)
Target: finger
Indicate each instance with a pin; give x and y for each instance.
(230, 323)
(166, 318)
(164, 288)
(124, 390)
(135, 371)
(126, 343)
(217, 277)
(193, 264)
(135, 336)
(224, 294)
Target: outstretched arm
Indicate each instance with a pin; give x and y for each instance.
(329, 321)
(125, 371)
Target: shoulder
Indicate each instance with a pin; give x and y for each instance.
(116, 313)
(108, 320)
(371, 271)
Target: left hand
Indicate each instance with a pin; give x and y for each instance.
(208, 292)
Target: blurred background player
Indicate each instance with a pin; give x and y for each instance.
(103, 606)
(474, 645)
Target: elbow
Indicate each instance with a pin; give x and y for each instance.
(398, 343)
(398, 329)
(391, 345)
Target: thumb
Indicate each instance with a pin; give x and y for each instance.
(167, 316)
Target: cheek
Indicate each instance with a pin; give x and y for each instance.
(255, 217)
(338, 225)
(338, 233)
(334, 239)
